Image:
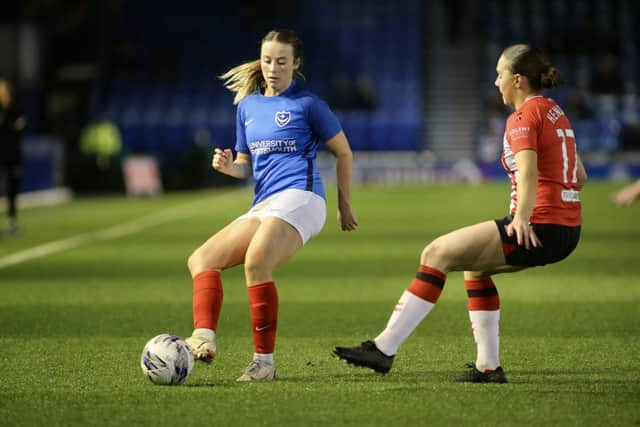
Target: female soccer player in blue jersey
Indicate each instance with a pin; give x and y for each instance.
(279, 126)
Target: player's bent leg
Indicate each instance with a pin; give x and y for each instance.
(207, 304)
(273, 243)
(476, 247)
(224, 249)
(484, 315)
(414, 305)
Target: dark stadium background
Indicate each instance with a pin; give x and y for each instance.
(411, 81)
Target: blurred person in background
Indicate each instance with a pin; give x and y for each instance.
(543, 227)
(627, 195)
(491, 129)
(279, 127)
(341, 92)
(12, 123)
(366, 94)
(97, 164)
(101, 140)
(360, 94)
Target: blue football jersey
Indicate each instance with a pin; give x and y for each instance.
(282, 133)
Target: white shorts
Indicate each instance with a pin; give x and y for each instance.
(304, 210)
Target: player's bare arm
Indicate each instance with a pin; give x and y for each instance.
(581, 173)
(339, 146)
(627, 195)
(527, 162)
(223, 162)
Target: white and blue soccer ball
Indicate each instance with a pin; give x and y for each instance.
(167, 360)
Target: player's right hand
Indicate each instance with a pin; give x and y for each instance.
(222, 160)
(525, 235)
(347, 220)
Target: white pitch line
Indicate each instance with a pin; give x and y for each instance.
(110, 233)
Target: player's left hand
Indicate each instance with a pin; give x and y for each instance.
(525, 235)
(626, 196)
(347, 219)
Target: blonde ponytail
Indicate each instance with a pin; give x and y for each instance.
(243, 79)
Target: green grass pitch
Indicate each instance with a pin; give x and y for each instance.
(73, 323)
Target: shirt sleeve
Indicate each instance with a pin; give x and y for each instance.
(522, 132)
(241, 136)
(324, 124)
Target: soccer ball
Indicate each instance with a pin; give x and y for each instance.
(166, 360)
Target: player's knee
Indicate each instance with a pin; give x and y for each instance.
(254, 267)
(194, 262)
(476, 275)
(435, 253)
(200, 261)
(256, 270)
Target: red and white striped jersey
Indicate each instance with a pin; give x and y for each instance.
(541, 125)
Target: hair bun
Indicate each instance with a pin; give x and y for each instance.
(551, 78)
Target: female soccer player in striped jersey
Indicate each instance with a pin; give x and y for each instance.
(279, 127)
(540, 157)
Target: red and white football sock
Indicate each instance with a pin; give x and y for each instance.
(207, 300)
(484, 313)
(414, 304)
(263, 303)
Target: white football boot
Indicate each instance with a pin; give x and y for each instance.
(202, 347)
(259, 371)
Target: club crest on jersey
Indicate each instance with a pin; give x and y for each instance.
(282, 118)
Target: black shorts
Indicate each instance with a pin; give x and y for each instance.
(558, 241)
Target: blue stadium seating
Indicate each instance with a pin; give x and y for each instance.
(168, 88)
(575, 33)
